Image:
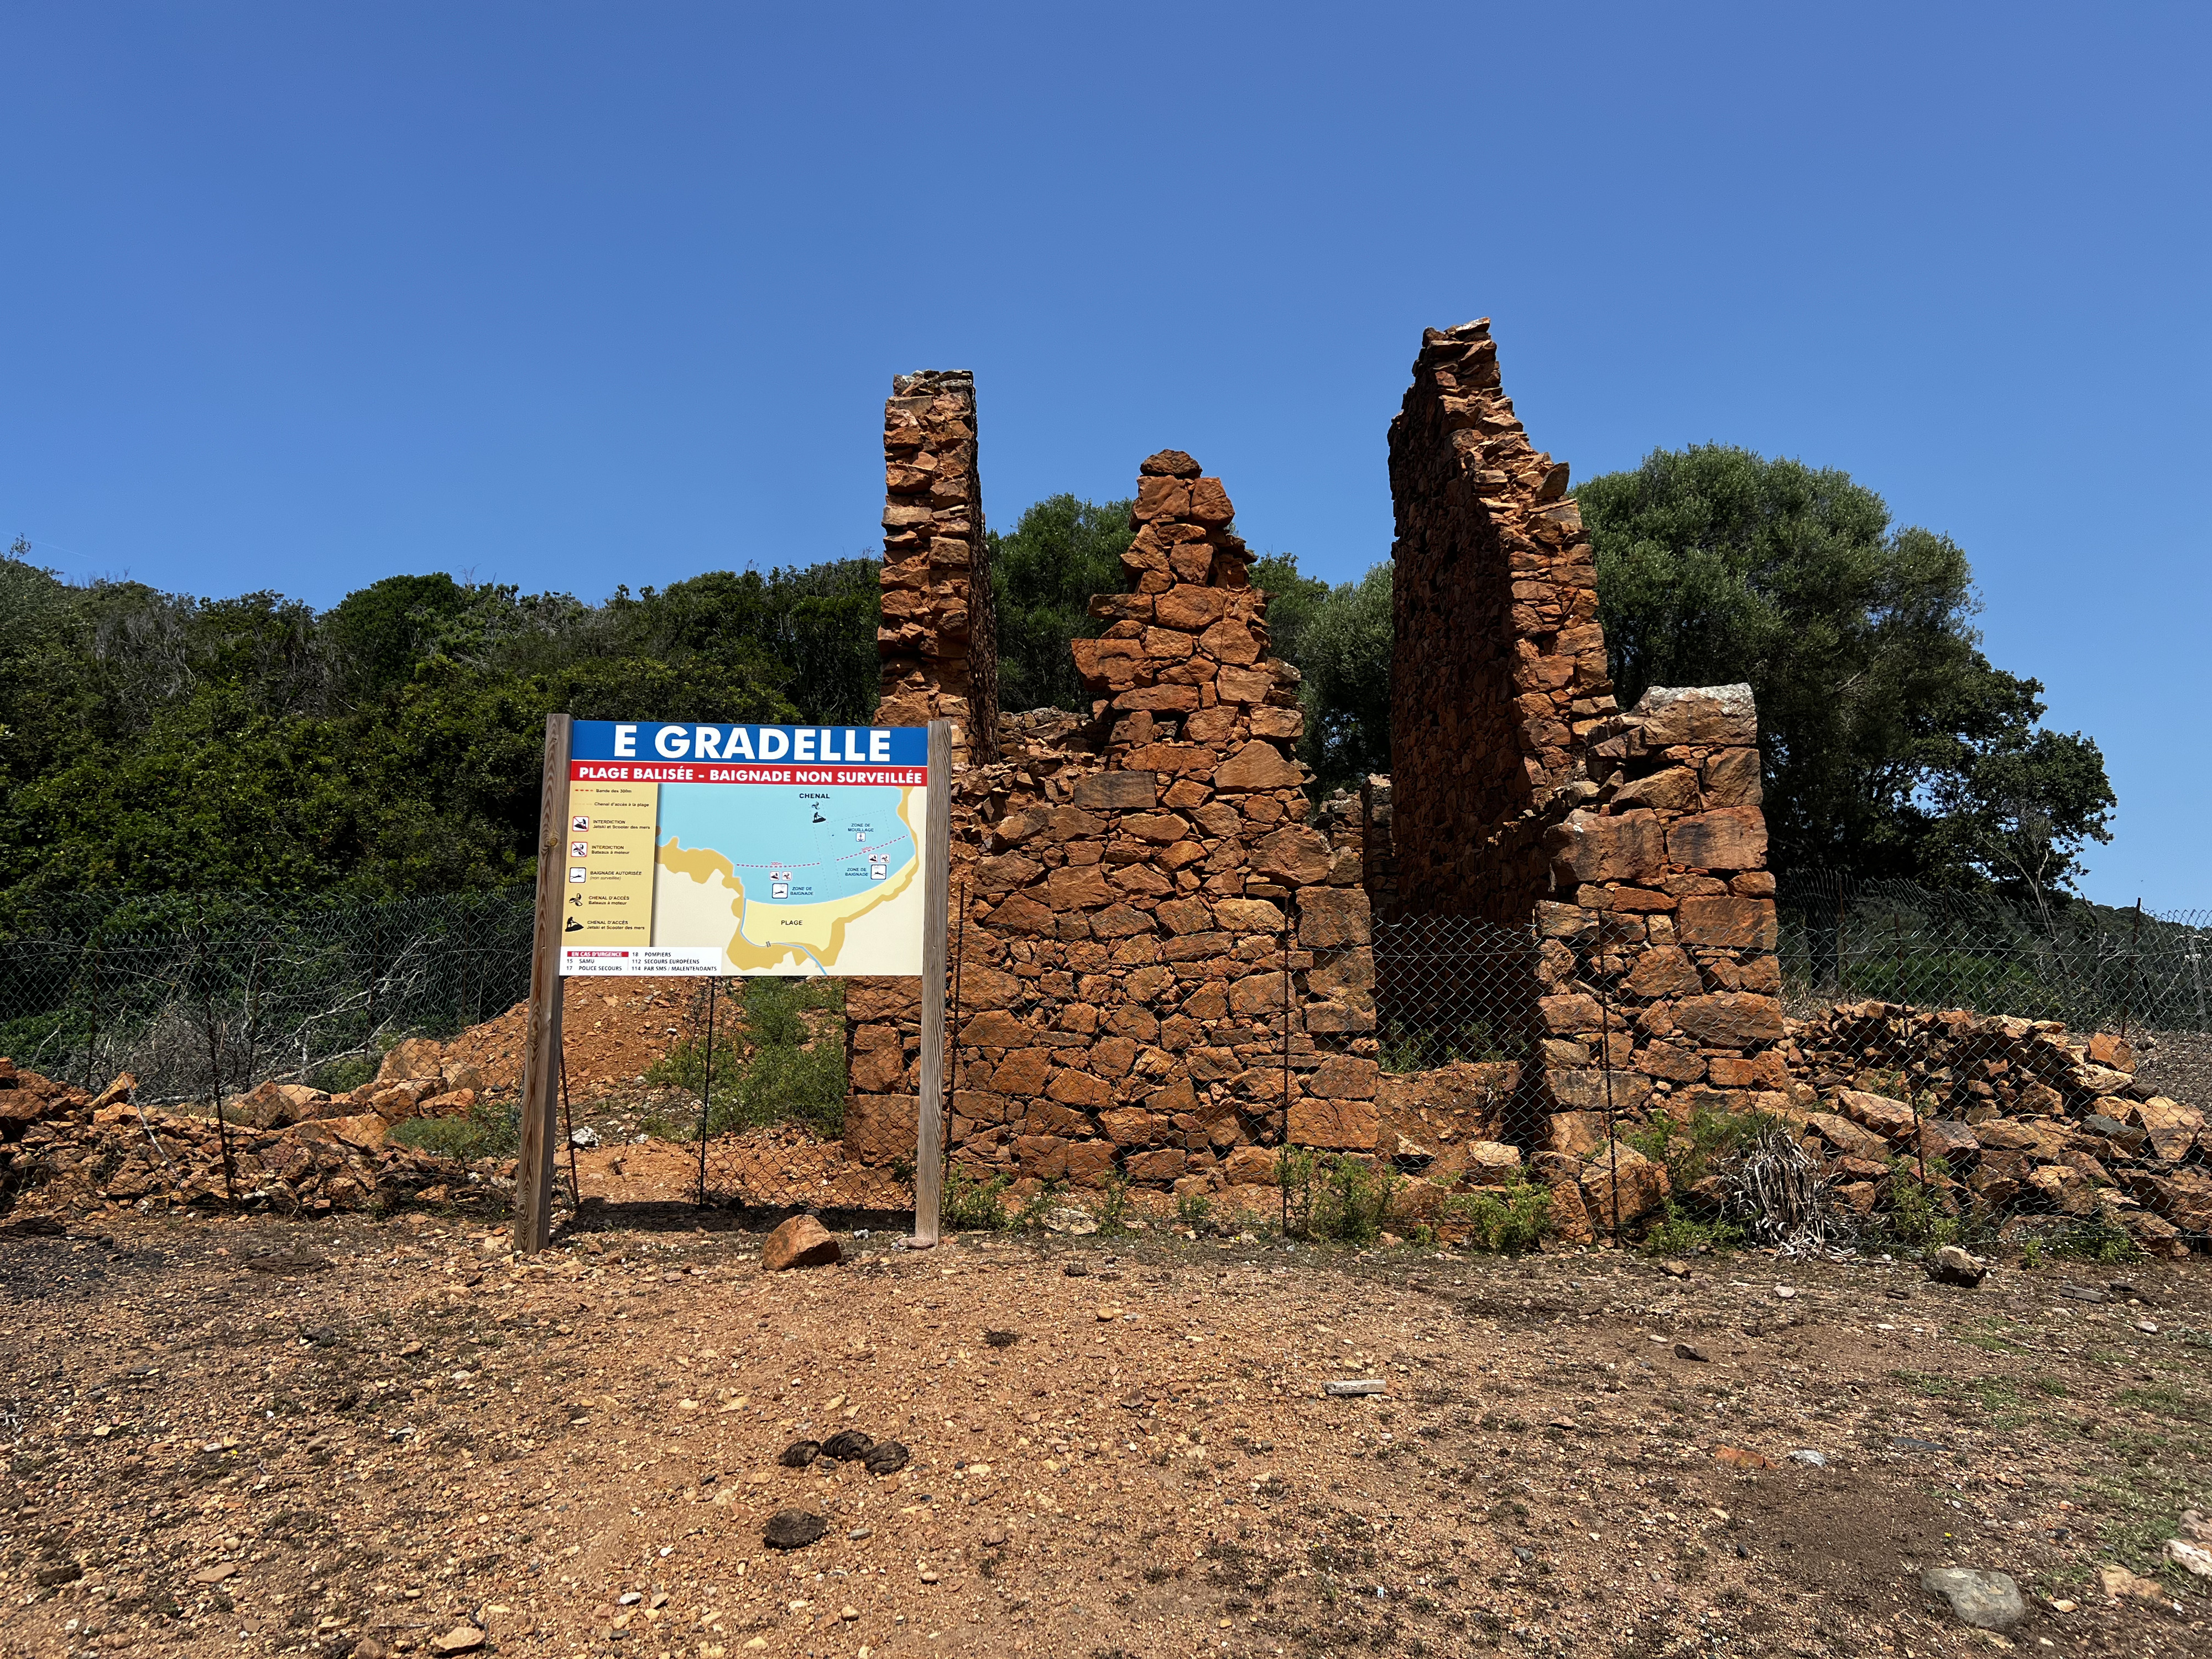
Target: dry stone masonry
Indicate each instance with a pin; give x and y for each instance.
(939, 649)
(1129, 886)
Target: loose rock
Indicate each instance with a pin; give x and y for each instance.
(1986, 1600)
(1954, 1265)
(801, 1241)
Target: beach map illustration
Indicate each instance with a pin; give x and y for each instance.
(698, 849)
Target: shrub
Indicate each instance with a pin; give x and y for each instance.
(1506, 1219)
(791, 1075)
(488, 1131)
(1331, 1196)
(971, 1205)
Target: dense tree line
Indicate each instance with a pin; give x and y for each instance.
(152, 742)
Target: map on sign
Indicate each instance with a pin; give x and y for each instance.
(744, 849)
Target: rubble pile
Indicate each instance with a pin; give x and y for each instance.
(64, 1149)
(2012, 1117)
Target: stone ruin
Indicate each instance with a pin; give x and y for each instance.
(1147, 896)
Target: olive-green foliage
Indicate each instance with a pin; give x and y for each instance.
(1892, 746)
(1340, 640)
(1696, 1149)
(152, 742)
(1043, 572)
(769, 1065)
(967, 1205)
(488, 1131)
(1331, 1196)
(1507, 1220)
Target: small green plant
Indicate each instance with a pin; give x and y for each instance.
(1677, 1233)
(968, 1205)
(1113, 1212)
(1696, 1149)
(1402, 1048)
(2030, 1255)
(1193, 1208)
(340, 1076)
(1505, 1220)
(488, 1131)
(2095, 1238)
(1332, 1195)
(792, 1075)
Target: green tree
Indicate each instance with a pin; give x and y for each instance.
(1339, 639)
(1043, 571)
(1892, 746)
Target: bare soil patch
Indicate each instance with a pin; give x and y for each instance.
(220, 1444)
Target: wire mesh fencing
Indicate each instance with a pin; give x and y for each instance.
(1950, 1071)
(201, 996)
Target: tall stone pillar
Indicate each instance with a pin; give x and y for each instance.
(939, 648)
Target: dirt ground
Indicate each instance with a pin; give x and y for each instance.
(401, 1431)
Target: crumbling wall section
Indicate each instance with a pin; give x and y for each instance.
(939, 644)
(1499, 666)
(1145, 904)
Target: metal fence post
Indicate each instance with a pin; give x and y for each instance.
(1605, 1048)
(706, 1089)
(1282, 1151)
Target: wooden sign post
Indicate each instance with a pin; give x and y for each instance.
(936, 882)
(541, 1053)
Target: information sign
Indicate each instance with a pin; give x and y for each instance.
(700, 849)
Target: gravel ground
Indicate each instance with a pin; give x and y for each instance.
(578, 1454)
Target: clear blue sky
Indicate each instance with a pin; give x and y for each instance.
(297, 296)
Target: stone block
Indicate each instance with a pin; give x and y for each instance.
(1117, 792)
(1344, 1077)
(1330, 917)
(1090, 1162)
(1022, 1072)
(880, 1127)
(1258, 765)
(1249, 915)
(1663, 970)
(1131, 1126)
(1585, 1090)
(1294, 854)
(1729, 1019)
(1733, 838)
(1041, 1158)
(1731, 778)
(1620, 1186)
(1575, 1134)
(1249, 1166)
(1589, 848)
(1705, 717)
(1892, 1120)
(1074, 1088)
(1154, 1168)
(1847, 1137)
(1743, 924)
(1569, 1013)
(1334, 1125)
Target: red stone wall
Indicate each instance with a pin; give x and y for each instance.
(1520, 792)
(1132, 890)
(1500, 660)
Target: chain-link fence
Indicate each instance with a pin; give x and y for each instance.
(203, 996)
(1950, 1070)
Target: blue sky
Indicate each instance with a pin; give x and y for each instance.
(570, 296)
